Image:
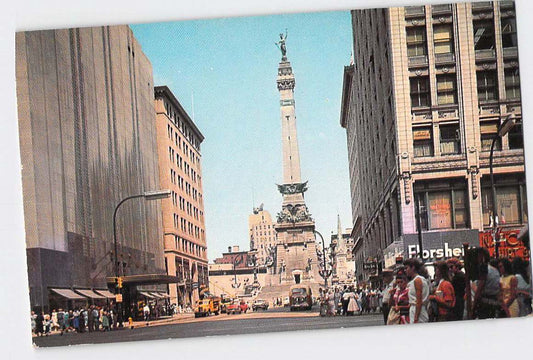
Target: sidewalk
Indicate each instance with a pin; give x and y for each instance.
(164, 320)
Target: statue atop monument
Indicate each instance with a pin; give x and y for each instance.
(281, 45)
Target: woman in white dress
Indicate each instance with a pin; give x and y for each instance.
(418, 290)
(352, 303)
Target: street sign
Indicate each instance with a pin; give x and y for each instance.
(118, 298)
(195, 285)
(370, 266)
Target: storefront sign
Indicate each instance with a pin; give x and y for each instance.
(509, 245)
(371, 267)
(435, 254)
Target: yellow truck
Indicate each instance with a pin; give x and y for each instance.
(206, 307)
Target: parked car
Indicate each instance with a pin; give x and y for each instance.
(260, 304)
(233, 308)
(286, 301)
(224, 304)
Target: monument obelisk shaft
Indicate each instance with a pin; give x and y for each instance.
(296, 258)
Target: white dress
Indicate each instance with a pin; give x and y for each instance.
(423, 317)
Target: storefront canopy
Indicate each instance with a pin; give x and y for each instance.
(106, 293)
(69, 294)
(159, 295)
(147, 294)
(90, 294)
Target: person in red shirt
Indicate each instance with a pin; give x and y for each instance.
(444, 295)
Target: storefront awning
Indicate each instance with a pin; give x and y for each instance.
(69, 294)
(160, 295)
(90, 294)
(147, 294)
(106, 293)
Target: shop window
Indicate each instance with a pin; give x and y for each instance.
(449, 139)
(443, 38)
(416, 41)
(420, 91)
(489, 129)
(422, 141)
(446, 89)
(483, 34)
(512, 84)
(443, 205)
(509, 32)
(487, 86)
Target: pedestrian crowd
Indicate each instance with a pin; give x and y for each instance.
(348, 300)
(502, 288)
(79, 320)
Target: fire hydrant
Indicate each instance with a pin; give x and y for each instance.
(130, 321)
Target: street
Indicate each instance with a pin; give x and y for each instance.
(272, 320)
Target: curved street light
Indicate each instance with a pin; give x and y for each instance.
(148, 195)
(324, 272)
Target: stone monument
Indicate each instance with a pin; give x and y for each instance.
(296, 258)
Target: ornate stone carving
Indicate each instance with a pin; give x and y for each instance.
(296, 188)
(286, 84)
(294, 213)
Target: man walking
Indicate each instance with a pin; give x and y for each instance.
(388, 279)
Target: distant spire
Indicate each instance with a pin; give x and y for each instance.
(351, 58)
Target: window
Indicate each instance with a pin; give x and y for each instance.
(446, 89)
(510, 196)
(488, 130)
(449, 139)
(443, 39)
(512, 84)
(509, 32)
(416, 41)
(422, 141)
(420, 91)
(487, 85)
(443, 204)
(483, 34)
(516, 138)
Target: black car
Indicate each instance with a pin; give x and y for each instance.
(260, 304)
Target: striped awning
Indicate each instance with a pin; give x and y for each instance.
(90, 294)
(69, 294)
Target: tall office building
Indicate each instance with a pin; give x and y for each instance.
(88, 140)
(262, 235)
(178, 141)
(428, 90)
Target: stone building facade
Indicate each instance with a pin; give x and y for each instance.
(87, 139)
(262, 235)
(425, 96)
(178, 141)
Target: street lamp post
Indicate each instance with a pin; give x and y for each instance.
(503, 129)
(324, 272)
(148, 195)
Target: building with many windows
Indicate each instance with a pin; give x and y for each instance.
(178, 141)
(262, 235)
(428, 90)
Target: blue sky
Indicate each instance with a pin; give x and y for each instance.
(229, 66)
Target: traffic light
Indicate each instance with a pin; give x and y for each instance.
(119, 282)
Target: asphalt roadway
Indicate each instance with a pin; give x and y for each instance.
(272, 320)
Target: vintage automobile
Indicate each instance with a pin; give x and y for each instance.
(259, 304)
(286, 301)
(300, 297)
(206, 307)
(224, 304)
(234, 307)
